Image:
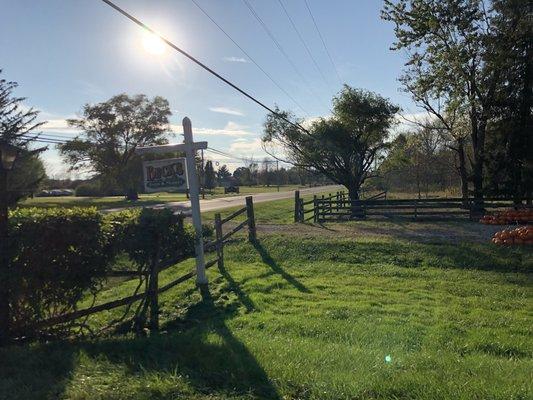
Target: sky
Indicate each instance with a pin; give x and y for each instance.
(67, 53)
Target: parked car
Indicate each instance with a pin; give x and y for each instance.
(55, 193)
(231, 189)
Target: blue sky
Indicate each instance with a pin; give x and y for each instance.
(65, 53)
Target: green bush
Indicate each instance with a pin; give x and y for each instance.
(56, 256)
(59, 255)
(89, 190)
(146, 233)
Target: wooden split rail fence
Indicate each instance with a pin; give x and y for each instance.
(339, 207)
(152, 274)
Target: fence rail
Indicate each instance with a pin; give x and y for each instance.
(156, 267)
(338, 206)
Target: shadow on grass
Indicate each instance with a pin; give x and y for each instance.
(267, 259)
(198, 350)
(235, 287)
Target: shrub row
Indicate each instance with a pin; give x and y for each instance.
(58, 256)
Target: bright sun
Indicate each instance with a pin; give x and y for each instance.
(153, 44)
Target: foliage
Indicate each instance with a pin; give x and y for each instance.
(112, 131)
(223, 173)
(469, 64)
(17, 126)
(209, 179)
(89, 189)
(146, 233)
(418, 161)
(56, 256)
(342, 147)
(509, 163)
(26, 177)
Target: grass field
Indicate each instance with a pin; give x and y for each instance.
(144, 200)
(371, 310)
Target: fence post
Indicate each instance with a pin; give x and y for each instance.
(315, 209)
(219, 243)
(152, 289)
(302, 213)
(296, 205)
(252, 234)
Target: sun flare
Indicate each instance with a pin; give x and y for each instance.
(153, 44)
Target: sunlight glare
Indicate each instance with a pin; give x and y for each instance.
(153, 44)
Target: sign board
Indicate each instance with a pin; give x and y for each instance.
(165, 175)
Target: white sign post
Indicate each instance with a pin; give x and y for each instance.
(189, 147)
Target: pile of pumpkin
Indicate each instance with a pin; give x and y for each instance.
(520, 216)
(522, 235)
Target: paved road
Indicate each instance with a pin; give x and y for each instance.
(235, 201)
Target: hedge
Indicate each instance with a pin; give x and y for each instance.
(58, 256)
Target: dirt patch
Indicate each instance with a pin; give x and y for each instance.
(454, 231)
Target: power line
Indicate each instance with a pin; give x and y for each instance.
(323, 41)
(280, 48)
(303, 41)
(202, 65)
(234, 157)
(250, 57)
(38, 139)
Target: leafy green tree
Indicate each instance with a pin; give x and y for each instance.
(509, 158)
(209, 175)
(17, 128)
(112, 131)
(447, 43)
(343, 147)
(223, 173)
(243, 175)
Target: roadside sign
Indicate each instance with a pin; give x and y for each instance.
(165, 175)
(188, 175)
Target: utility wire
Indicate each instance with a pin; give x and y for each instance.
(202, 65)
(323, 41)
(303, 42)
(250, 57)
(280, 48)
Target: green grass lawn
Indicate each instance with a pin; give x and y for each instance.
(308, 313)
(144, 200)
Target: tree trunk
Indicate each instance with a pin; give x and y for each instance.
(132, 194)
(462, 169)
(478, 143)
(353, 193)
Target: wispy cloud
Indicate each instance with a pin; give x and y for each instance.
(235, 59)
(226, 110)
(231, 129)
(247, 147)
(58, 125)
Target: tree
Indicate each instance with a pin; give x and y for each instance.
(243, 175)
(420, 161)
(209, 175)
(223, 173)
(447, 43)
(17, 128)
(343, 147)
(509, 159)
(112, 131)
